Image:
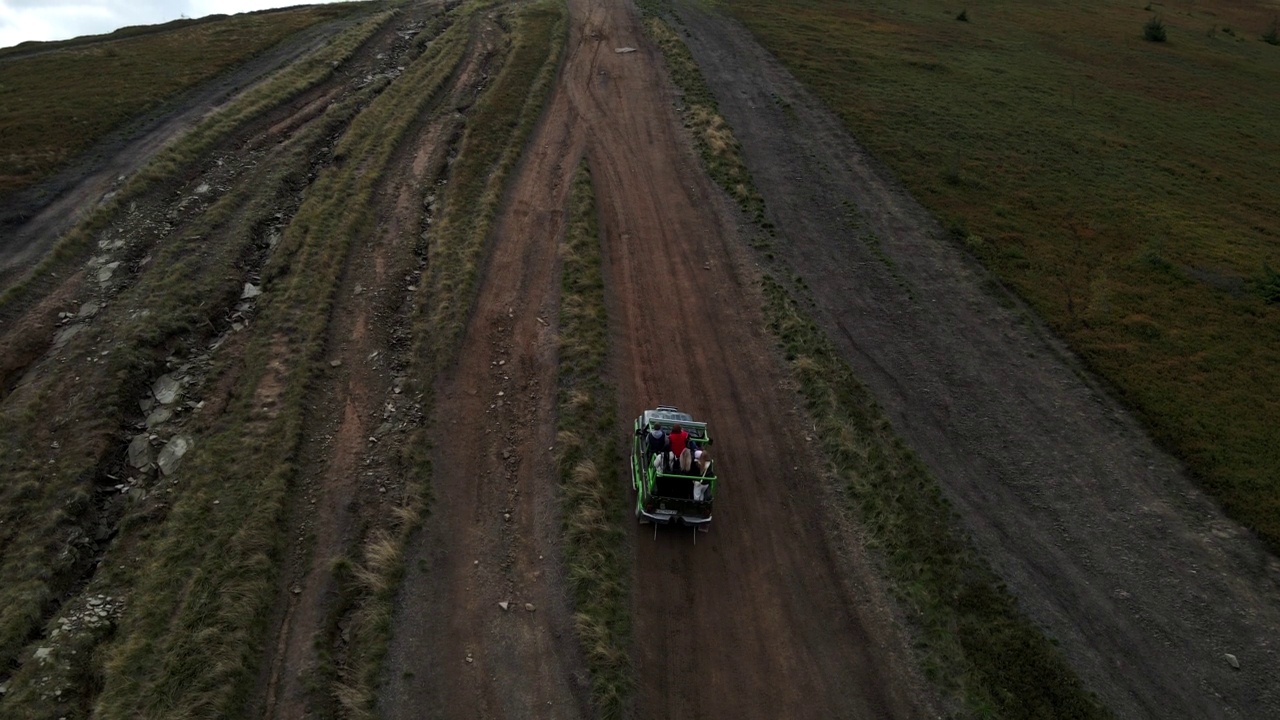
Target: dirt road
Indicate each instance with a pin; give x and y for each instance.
(1104, 539)
(776, 613)
(765, 603)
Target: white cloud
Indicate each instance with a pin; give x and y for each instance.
(22, 20)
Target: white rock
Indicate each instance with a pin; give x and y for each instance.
(171, 456)
(158, 417)
(1232, 660)
(166, 388)
(43, 653)
(106, 271)
(624, 50)
(140, 451)
(504, 605)
(529, 607)
(250, 291)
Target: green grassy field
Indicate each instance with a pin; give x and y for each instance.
(1127, 189)
(54, 105)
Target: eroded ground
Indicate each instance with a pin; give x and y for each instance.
(777, 612)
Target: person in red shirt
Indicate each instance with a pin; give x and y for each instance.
(679, 439)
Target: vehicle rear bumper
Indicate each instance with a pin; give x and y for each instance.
(676, 519)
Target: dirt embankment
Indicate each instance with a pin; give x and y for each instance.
(1106, 542)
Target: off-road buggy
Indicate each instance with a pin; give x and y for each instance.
(666, 492)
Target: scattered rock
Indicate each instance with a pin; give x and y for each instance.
(106, 271)
(506, 516)
(335, 363)
(88, 310)
(166, 389)
(296, 590)
(158, 417)
(171, 456)
(529, 607)
(250, 291)
(65, 334)
(140, 451)
(202, 189)
(43, 653)
(504, 605)
(1232, 660)
(469, 659)
(624, 50)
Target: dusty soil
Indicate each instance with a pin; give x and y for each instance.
(1107, 543)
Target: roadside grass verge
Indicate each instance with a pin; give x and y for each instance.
(973, 640)
(286, 83)
(586, 458)
(974, 643)
(498, 125)
(1125, 189)
(192, 639)
(56, 104)
(720, 151)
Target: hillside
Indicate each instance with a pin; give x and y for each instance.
(320, 358)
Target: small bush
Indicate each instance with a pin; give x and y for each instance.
(1272, 35)
(1153, 30)
(963, 16)
(1269, 285)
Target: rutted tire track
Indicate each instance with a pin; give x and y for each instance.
(360, 422)
(255, 180)
(761, 604)
(493, 534)
(765, 603)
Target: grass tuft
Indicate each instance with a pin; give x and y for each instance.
(1154, 30)
(1272, 35)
